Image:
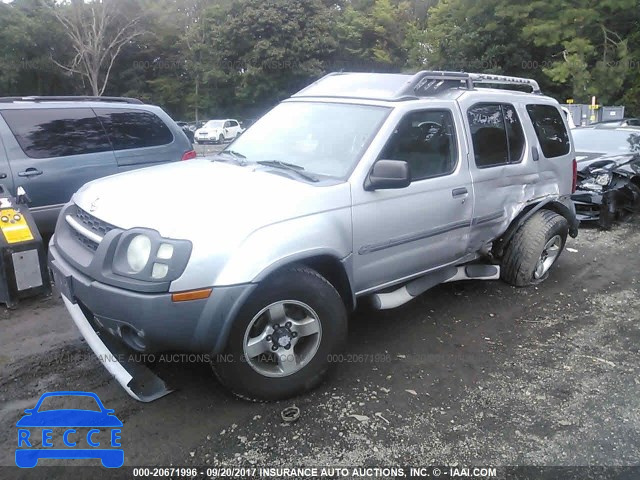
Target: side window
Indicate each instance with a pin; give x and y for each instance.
(515, 134)
(426, 140)
(550, 130)
(496, 131)
(227, 124)
(233, 123)
(133, 128)
(57, 132)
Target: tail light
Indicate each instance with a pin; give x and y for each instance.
(189, 155)
(574, 183)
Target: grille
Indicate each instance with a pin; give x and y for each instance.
(90, 244)
(92, 223)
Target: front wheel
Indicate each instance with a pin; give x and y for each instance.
(282, 340)
(534, 249)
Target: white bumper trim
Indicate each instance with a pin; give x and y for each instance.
(99, 348)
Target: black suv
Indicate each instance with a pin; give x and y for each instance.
(51, 146)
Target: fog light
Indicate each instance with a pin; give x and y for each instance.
(160, 270)
(165, 252)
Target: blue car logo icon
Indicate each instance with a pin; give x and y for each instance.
(39, 425)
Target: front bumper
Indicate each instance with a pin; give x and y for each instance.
(115, 321)
(604, 207)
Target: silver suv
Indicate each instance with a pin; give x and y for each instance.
(380, 187)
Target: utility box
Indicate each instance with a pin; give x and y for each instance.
(584, 114)
(23, 268)
(612, 113)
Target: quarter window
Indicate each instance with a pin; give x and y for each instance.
(133, 128)
(550, 130)
(57, 132)
(496, 131)
(426, 140)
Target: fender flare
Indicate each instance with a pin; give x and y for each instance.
(549, 204)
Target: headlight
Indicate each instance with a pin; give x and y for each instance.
(138, 253)
(142, 254)
(603, 179)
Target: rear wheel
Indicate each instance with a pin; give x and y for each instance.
(534, 249)
(284, 336)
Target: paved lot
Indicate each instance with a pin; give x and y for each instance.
(470, 373)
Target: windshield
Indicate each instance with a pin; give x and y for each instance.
(214, 124)
(604, 141)
(323, 138)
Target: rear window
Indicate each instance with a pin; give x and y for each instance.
(134, 128)
(57, 132)
(550, 129)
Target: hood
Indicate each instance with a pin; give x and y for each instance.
(628, 163)
(205, 199)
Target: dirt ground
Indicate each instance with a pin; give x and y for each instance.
(472, 373)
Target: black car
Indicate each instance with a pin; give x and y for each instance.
(608, 185)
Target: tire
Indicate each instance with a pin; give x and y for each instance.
(221, 139)
(303, 293)
(527, 247)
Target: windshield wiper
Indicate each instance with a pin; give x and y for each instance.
(291, 167)
(237, 156)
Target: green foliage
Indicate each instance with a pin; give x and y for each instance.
(216, 58)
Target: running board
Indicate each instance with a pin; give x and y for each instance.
(409, 291)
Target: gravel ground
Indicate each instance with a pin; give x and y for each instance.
(468, 373)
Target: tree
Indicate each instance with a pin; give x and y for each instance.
(268, 49)
(28, 35)
(589, 42)
(98, 30)
(373, 35)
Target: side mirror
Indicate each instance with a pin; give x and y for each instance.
(388, 174)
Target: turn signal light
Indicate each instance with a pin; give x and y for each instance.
(191, 295)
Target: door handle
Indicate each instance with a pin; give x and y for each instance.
(3, 176)
(459, 192)
(30, 172)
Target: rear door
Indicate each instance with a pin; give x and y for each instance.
(52, 153)
(503, 171)
(139, 138)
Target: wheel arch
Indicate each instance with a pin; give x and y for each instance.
(550, 204)
(334, 269)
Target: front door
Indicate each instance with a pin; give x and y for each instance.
(401, 233)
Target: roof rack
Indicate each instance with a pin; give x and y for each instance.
(427, 83)
(38, 99)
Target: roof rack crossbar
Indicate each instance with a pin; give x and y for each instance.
(504, 80)
(462, 79)
(38, 99)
